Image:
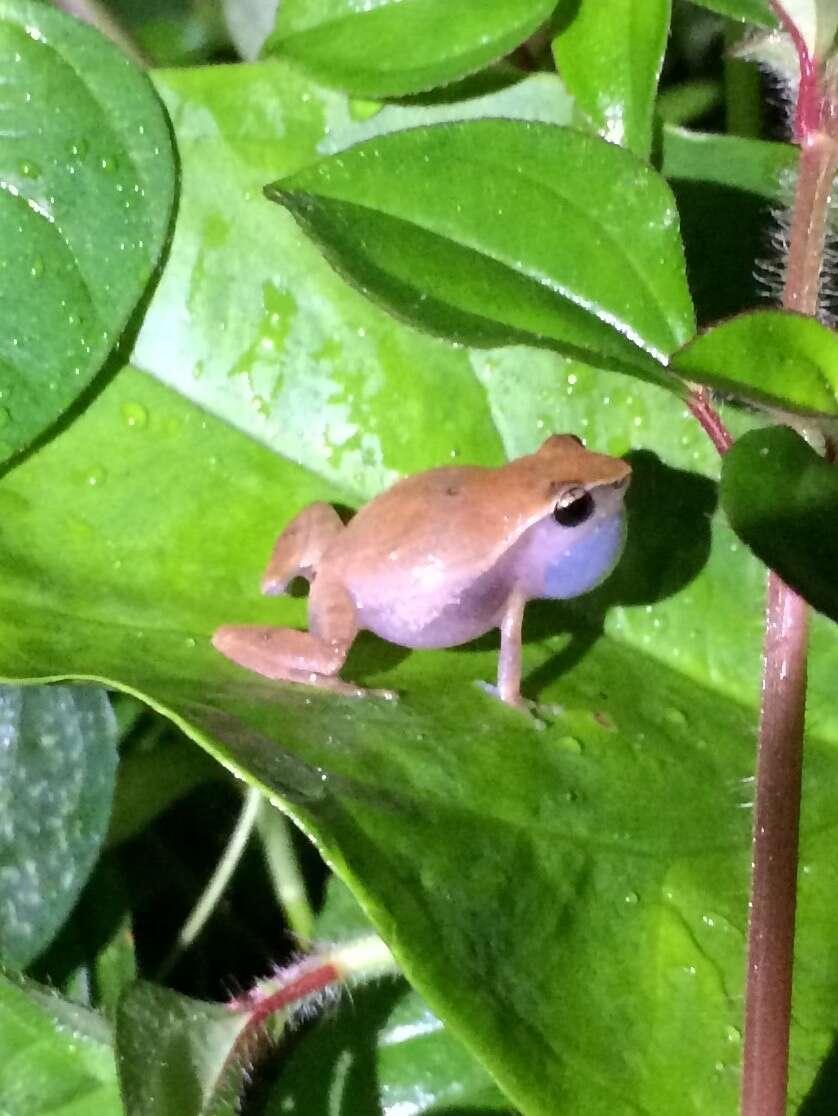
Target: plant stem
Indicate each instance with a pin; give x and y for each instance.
(218, 881)
(289, 885)
(774, 853)
(780, 748)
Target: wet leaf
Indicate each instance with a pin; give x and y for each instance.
(609, 54)
(393, 47)
(782, 360)
(498, 232)
(86, 189)
(55, 1057)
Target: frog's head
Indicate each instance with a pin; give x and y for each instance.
(578, 536)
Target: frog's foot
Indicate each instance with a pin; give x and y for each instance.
(515, 701)
(338, 685)
(287, 655)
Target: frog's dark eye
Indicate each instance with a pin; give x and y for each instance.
(574, 508)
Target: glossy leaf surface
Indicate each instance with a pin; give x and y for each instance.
(57, 764)
(55, 1057)
(779, 359)
(609, 55)
(499, 232)
(782, 499)
(449, 816)
(86, 188)
(388, 48)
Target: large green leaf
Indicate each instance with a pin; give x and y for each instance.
(86, 188)
(387, 48)
(499, 232)
(782, 360)
(609, 54)
(782, 499)
(55, 1057)
(571, 902)
(57, 763)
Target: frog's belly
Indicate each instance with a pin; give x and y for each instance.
(409, 622)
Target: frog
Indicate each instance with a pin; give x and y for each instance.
(441, 558)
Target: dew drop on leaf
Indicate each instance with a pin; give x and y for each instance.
(135, 415)
(96, 476)
(676, 717)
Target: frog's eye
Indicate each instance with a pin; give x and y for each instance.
(575, 506)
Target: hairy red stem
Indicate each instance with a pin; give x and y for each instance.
(780, 749)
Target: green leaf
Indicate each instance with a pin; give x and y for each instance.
(572, 902)
(86, 188)
(782, 499)
(381, 1049)
(496, 232)
(609, 54)
(388, 48)
(773, 357)
(178, 1056)
(57, 764)
(753, 166)
(55, 1057)
(752, 11)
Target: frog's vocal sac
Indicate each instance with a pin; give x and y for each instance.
(441, 558)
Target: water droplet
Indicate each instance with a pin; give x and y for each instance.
(676, 717)
(96, 476)
(37, 268)
(569, 744)
(135, 415)
(631, 899)
(190, 641)
(28, 168)
(79, 148)
(733, 1034)
(107, 163)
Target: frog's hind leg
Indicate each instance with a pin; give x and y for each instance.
(314, 657)
(299, 549)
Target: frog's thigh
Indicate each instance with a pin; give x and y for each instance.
(284, 653)
(509, 659)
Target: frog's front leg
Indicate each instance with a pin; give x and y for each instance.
(509, 659)
(314, 657)
(300, 548)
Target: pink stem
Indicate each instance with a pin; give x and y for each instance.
(782, 718)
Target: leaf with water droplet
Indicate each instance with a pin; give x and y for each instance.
(388, 49)
(54, 1055)
(61, 217)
